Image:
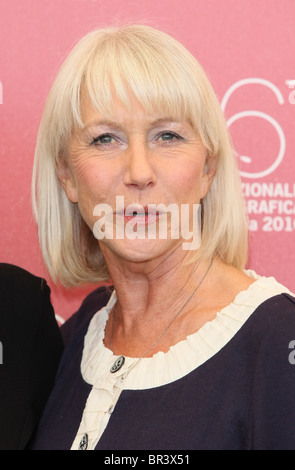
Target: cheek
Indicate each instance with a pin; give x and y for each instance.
(187, 181)
(93, 186)
(91, 180)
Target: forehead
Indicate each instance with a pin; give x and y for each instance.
(127, 115)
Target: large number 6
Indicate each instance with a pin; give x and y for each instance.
(275, 124)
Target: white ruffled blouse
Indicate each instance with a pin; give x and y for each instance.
(162, 368)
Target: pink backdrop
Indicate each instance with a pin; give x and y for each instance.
(247, 48)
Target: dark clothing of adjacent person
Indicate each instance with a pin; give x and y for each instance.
(31, 347)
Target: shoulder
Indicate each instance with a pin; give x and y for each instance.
(16, 280)
(269, 334)
(272, 323)
(79, 321)
(272, 305)
(276, 328)
(24, 299)
(277, 311)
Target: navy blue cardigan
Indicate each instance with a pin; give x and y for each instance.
(241, 398)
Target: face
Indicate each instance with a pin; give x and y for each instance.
(130, 165)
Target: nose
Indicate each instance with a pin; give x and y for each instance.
(139, 169)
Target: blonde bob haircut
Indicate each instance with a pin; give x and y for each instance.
(164, 77)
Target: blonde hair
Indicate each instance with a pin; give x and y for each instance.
(164, 76)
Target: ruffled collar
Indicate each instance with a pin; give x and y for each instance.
(183, 357)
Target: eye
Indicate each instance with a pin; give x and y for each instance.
(168, 136)
(103, 139)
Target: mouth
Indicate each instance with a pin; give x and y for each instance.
(139, 214)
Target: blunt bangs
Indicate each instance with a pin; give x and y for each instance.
(163, 76)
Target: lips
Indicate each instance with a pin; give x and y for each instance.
(135, 210)
(140, 214)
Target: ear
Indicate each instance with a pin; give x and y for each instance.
(208, 175)
(67, 180)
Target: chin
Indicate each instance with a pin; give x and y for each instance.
(141, 250)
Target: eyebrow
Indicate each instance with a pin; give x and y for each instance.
(115, 124)
(102, 122)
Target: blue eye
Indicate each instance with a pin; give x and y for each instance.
(103, 139)
(168, 136)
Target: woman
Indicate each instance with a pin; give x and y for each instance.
(186, 350)
(30, 350)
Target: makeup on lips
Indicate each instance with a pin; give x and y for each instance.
(142, 215)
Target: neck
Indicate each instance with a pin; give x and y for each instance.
(152, 291)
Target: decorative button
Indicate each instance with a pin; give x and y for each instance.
(117, 364)
(84, 442)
